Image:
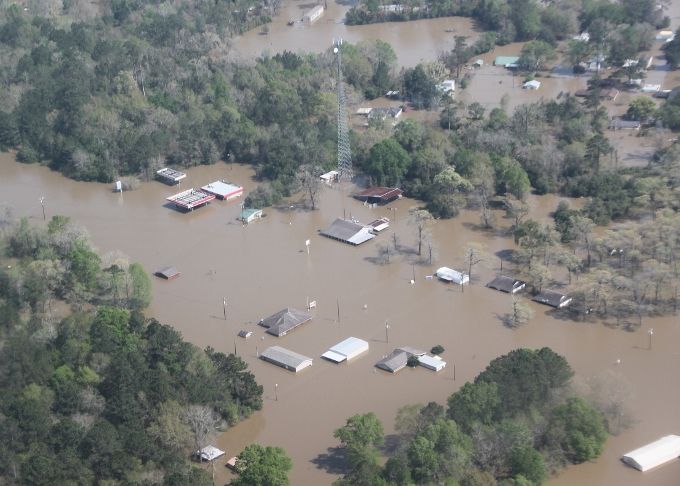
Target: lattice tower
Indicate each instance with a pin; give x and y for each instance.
(344, 151)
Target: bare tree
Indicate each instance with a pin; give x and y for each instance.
(309, 181)
(202, 422)
(475, 253)
(421, 220)
(519, 315)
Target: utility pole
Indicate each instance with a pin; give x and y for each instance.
(387, 332)
(276, 391)
(650, 333)
(42, 203)
(224, 307)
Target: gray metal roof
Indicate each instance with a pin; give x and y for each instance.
(348, 232)
(285, 357)
(506, 284)
(552, 298)
(395, 361)
(284, 321)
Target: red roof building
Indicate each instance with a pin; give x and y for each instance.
(379, 195)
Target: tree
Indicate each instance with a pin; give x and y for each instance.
(262, 466)
(474, 402)
(202, 422)
(475, 253)
(672, 51)
(642, 108)
(421, 220)
(420, 87)
(360, 437)
(535, 54)
(577, 429)
(521, 313)
(387, 163)
(141, 287)
(450, 192)
(308, 178)
(529, 463)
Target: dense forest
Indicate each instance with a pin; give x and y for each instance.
(520, 20)
(517, 423)
(92, 391)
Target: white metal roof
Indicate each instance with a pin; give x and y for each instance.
(333, 356)
(222, 189)
(451, 275)
(654, 454)
(432, 362)
(209, 453)
(286, 357)
(350, 346)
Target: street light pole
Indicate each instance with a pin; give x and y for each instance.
(276, 391)
(387, 332)
(224, 307)
(650, 333)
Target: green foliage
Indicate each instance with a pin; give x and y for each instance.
(478, 402)
(672, 51)
(360, 437)
(421, 87)
(438, 349)
(387, 163)
(528, 463)
(578, 429)
(412, 361)
(262, 466)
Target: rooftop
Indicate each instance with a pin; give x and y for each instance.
(285, 358)
(285, 320)
(506, 284)
(223, 189)
(348, 231)
(654, 454)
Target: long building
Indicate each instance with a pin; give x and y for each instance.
(346, 350)
(654, 454)
(349, 232)
(286, 358)
(190, 199)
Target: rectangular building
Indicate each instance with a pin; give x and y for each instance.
(348, 232)
(170, 176)
(654, 454)
(346, 350)
(190, 199)
(223, 190)
(450, 275)
(285, 358)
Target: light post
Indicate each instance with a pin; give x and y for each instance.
(650, 333)
(387, 332)
(276, 391)
(42, 203)
(224, 307)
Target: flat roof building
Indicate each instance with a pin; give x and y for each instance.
(284, 321)
(250, 215)
(346, 350)
(450, 275)
(168, 273)
(170, 176)
(286, 358)
(654, 454)
(209, 453)
(348, 232)
(190, 199)
(223, 190)
(506, 284)
(509, 62)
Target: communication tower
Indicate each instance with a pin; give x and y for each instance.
(344, 151)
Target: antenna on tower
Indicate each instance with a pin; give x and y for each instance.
(344, 151)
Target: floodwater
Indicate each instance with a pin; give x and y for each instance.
(413, 42)
(263, 267)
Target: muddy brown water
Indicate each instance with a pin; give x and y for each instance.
(263, 267)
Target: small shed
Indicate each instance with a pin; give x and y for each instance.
(379, 195)
(651, 88)
(284, 321)
(245, 334)
(447, 86)
(654, 454)
(223, 190)
(434, 363)
(533, 84)
(478, 63)
(348, 231)
(231, 463)
(346, 350)
(286, 358)
(506, 284)
(209, 453)
(450, 275)
(314, 14)
(330, 177)
(168, 273)
(380, 224)
(250, 215)
(553, 299)
(621, 124)
(365, 111)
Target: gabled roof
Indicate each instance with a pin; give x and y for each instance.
(167, 273)
(654, 454)
(506, 284)
(284, 321)
(552, 298)
(395, 361)
(451, 275)
(286, 358)
(209, 453)
(380, 192)
(348, 232)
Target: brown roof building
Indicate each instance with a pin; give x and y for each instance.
(379, 195)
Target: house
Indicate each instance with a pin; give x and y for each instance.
(168, 273)
(284, 321)
(506, 284)
(209, 453)
(379, 195)
(398, 359)
(509, 62)
(533, 84)
(245, 334)
(286, 358)
(170, 176)
(330, 177)
(231, 463)
(654, 454)
(366, 111)
(384, 113)
(313, 15)
(348, 231)
(346, 350)
(651, 88)
(434, 363)
(379, 225)
(223, 190)
(621, 124)
(553, 299)
(450, 275)
(190, 199)
(250, 215)
(609, 94)
(447, 86)
(392, 94)
(478, 63)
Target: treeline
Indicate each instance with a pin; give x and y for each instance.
(102, 394)
(518, 20)
(97, 99)
(516, 424)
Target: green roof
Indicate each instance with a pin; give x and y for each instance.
(506, 60)
(246, 213)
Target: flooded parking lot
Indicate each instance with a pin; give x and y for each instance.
(263, 267)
